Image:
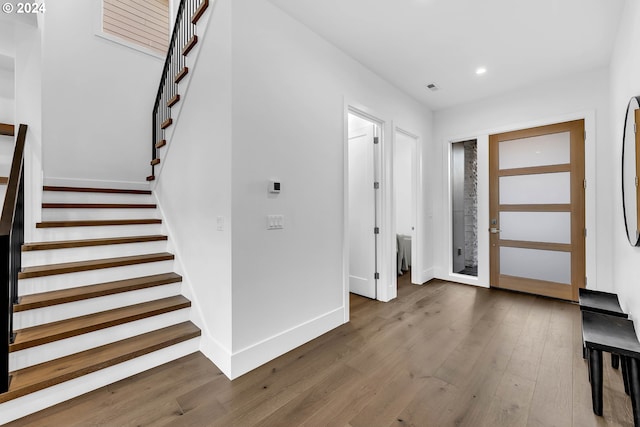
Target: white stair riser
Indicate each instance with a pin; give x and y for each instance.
(97, 232)
(65, 214)
(55, 256)
(37, 401)
(73, 197)
(43, 353)
(26, 319)
(71, 280)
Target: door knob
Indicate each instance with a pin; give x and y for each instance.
(494, 230)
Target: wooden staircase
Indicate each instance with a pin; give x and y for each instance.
(82, 309)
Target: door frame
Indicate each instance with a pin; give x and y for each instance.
(482, 137)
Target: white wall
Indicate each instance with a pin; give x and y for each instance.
(7, 107)
(569, 98)
(194, 185)
(625, 83)
(98, 96)
(289, 93)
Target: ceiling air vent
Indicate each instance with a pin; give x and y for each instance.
(432, 87)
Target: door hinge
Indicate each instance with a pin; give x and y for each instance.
(376, 185)
(376, 276)
(376, 230)
(634, 128)
(585, 232)
(376, 139)
(585, 135)
(585, 281)
(585, 184)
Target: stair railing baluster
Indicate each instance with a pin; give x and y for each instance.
(166, 88)
(11, 240)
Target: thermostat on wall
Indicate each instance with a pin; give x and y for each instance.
(274, 186)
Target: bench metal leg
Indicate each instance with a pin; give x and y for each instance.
(625, 373)
(615, 361)
(595, 375)
(634, 385)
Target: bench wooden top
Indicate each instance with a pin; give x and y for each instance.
(601, 302)
(610, 333)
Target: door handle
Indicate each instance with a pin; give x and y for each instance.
(494, 230)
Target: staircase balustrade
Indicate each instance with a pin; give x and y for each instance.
(175, 68)
(11, 240)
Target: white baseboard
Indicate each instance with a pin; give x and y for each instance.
(262, 352)
(217, 353)
(95, 183)
(427, 275)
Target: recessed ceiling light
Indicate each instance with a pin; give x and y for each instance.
(433, 87)
(481, 70)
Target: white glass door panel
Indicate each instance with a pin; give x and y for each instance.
(551, 266)
(537, 210)
(553, 227)
(548, 188)
(552, 149)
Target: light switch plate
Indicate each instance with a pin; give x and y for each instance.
(275, 222)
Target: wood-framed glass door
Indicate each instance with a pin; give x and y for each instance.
(537, 201)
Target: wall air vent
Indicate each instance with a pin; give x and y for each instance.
(432, 87)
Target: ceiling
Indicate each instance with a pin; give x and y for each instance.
(412, 43)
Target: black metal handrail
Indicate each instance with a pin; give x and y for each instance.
(11, 240)
(174, 69)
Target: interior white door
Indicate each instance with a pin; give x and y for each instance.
(362, 212)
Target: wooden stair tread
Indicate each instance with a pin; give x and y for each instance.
(174, 99)
(48, 374)
(7, 129)
(166, 123)
(94, 190)
(96, 223)
(199, 11)
(190, 45)
(181, 75)
(66, 244)
(99, 206)
(63, 296)
(4, 180)
(155, 162)
(151, 178)
(161, 143)
(49, 332)
(73, 267)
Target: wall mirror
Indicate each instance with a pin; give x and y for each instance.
(630, 167)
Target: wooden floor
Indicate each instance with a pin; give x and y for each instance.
(441, 354)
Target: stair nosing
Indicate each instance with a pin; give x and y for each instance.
(174, 303)
(89, 265)
(94, 190)
(80, 293)
(97, 223)
(69, 244)
(99, 206)
(180, 332)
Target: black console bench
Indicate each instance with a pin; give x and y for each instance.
(604, 303)
(614, 334)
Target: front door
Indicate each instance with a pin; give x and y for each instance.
(537, 220)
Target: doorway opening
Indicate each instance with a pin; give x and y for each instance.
(363, 171)
(404, 190)
(464, 207)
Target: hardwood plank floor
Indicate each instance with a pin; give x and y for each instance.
(441, 354)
